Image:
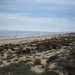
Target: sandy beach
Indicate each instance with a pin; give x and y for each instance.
(41, 52)
(26, 39)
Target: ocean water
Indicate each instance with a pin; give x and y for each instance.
(6, 34)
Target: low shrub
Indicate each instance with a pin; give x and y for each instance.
(68, 66)
(51, 58)
(72, 52)
(18, 52)
(50, 73)
(37, 62)
(1, 49)
(27, 50)
(10, 57)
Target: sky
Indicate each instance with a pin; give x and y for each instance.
(38, 15)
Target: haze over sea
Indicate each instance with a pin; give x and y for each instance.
(6, 34)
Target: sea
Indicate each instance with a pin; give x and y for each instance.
(8, 34)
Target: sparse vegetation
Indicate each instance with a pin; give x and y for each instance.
(64, 59)
(50, 73)
(37, 61)
(68, 66)
(52, 58)
(27, 50)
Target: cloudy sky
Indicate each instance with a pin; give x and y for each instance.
(37, 15)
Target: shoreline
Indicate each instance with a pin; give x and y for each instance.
(25, 36)
(26, 39)
(40, 52)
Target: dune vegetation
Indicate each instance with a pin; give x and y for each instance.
(54, 56)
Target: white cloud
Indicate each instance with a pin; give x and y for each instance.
(38, 8)
(9, 21)
(39, 21)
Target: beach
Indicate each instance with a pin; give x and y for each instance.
(26, 39)
(40, 53)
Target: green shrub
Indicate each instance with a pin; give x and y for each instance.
(26, 51)
(10, 57)
(8, 60)
(6, 46)
(51, 58)
(15, 69)
(18, 52)
(1, 49)
(37, 62)
(68, 66)
(50, 73)
(72, 52)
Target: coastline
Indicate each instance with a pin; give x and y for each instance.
(47, 49)
(17, 40)
(21, 34)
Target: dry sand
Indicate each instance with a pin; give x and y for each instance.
(42, 55)
(26, 39)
